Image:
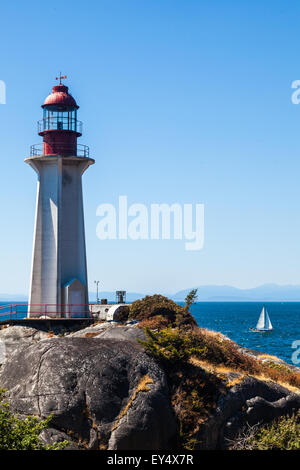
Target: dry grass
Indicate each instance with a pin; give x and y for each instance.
(211, 368)
(141, 387)
(220, 371)
(265, 375)
(269, 357)
(288, 379)
(214, 335)
(92, 334)
(280, 381)
(236, 381)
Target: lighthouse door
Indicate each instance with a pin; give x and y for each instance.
(76, 303)
(74, 295)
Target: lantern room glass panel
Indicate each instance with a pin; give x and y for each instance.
(55, 119)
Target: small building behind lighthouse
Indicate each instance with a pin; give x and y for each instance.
(59, 285)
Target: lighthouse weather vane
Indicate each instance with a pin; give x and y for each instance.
(61, 77)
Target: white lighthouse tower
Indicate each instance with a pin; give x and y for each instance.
(59, 286)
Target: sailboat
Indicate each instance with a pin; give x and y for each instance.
(264, 322)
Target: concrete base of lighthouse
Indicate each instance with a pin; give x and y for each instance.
(59, 286)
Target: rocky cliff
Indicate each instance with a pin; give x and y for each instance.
(106, 391)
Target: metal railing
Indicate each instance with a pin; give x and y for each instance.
(45, 311)
(59, 123)
(37, 150)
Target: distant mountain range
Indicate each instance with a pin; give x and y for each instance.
(266, 292)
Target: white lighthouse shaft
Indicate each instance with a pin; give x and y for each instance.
(59, 285)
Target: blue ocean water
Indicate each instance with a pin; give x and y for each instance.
(234, 319)
(5, 310)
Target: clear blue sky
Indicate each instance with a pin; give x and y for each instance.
(184, 101)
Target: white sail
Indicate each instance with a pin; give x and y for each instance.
(261, 321)
(264, 322)
(268, 324)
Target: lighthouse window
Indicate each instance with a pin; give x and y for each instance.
(59, 119)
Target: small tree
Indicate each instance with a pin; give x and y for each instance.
(22, 434)
(190, 299)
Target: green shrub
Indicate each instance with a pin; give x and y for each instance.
(176, 345)
(170, 346)
(282, 434)
(162, 309)
(22, 434)
(154, 305)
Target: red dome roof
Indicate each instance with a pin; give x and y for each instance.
(60, 97)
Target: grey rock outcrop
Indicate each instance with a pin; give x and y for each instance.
(111, 330)
(252, 402)
(103, 393)
(125, 333)
(17, 337)
(96, 329)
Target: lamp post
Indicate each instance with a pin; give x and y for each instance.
(97, 284)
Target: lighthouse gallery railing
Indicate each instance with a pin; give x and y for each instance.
(44, 311)
(59, 123)
(82, 150)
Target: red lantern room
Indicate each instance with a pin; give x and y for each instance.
(59, 126)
